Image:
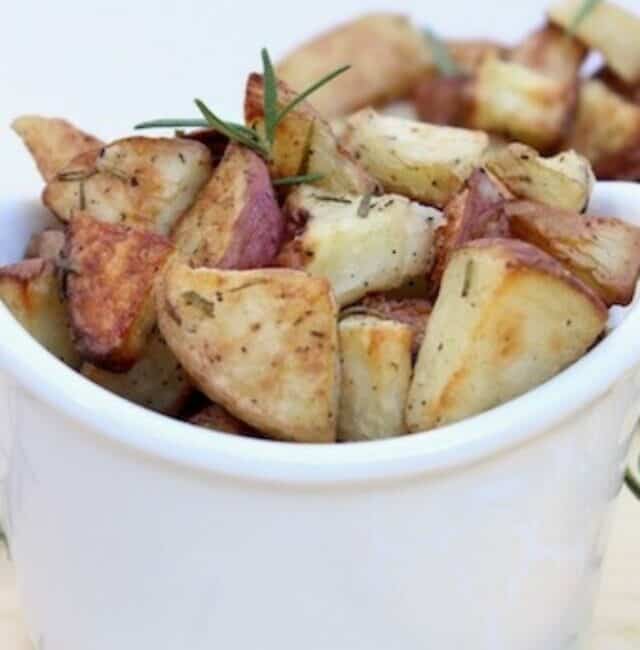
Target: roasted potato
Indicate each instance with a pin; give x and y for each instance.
(305, 144)
(386, 52)
(469, 54)
(263, 344)
(47, 245)
(235, 222)
(360, 244)
(603, 252)
(216, 418)
(508, 318)
(605, 125)
(376, 372)
(110, 274)
(473, 214)
(143, 182)
(518, 102)
(32, 291)
(157, 381)
(607, 27)
(631, 92)
(424, 162)
(443, 100)
(564, 181)
(53, 142)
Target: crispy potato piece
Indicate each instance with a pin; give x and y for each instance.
(605, 125)
(157, 381)
(603, 252)
(53, 142)
(553, 52)
(469, 54)
(143, 182)
(262, 344)
(216, 418)
(47, 245)
(359, 249)
(443, 100)
(520, 103)
(305, 144)
(473, 214)
(426, 163)
(376, 372)
(564, 181)
(111, 270)
(508, 318)
(386, 52)
(236, 222)
(613, 30)
(31, 290)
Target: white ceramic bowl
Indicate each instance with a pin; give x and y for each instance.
(133, 531)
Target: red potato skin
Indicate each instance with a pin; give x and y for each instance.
(443, 100)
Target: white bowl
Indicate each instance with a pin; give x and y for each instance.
(131, 530)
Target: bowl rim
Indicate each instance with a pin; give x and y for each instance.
(471, 440)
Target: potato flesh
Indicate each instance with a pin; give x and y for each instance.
(508, 318)
(382, 251)
(564, 181)
(32, 291)
(424, 162)
(376, 371)
(262, 344)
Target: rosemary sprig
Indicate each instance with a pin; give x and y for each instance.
(296, 180)
(270, 100)
(441, 55)
(587, 7)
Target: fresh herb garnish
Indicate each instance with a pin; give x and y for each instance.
(587, 7)
(365, 206)
(441, 55)
(468, 277)
(194, 299)
(295, 180)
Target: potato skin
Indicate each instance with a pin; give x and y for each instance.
(53, 142)
(376, 372)
(262, 344)
(508, 318)
(235, 222)
(111, 270)
(216, 418)
(140, 182)
(32, 291)
(603, 252)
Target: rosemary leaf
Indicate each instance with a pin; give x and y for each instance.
(632, 483)
(298, 180)
(365, 206)
(176, 123)
(270, 99)
(312, 89)
(587, 7)
(441, 55)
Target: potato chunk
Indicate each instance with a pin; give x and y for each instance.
(143, 182)
(386, 52)
(48, 245)
(31, 290)
(305, 144)
(508, 318)
(262, 344)
(376, 371)
(520, 103)
(111, 270)
(236, 222)
(564, 181)
(424, 162)
(613, 30)
(157, 381)
(216, 418)
(360, 244)
(53, 142)
(603, 252)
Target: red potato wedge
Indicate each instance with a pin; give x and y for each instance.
(157, 381)
(110, 275)
(141, 182)
(305, 144)
(376, 372)
(47, 245)
(262, 344)
(53, 142)
(386, 52)
(443, 100)
(32, 291)
(359, 251)
(236, 222)
(508, 318)
(216, 418)
(603, 252)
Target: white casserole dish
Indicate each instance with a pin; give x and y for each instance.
(134, 531)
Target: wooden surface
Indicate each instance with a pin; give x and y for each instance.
(617, 618)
